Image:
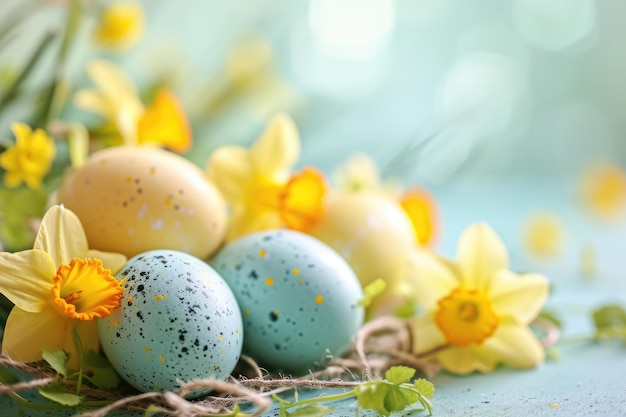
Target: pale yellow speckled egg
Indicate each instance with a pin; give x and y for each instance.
(132, 199)
(370, 231)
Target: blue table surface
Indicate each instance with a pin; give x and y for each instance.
(588, 378)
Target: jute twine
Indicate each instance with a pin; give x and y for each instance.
(377, 346)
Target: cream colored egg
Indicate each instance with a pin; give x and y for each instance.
(371, 232)
(134, 199)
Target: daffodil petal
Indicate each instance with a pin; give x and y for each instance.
(164, 123)
(230, 169)
(426, 334)
(94, 102)
(110, 260)
(26, 278)
(20, 130)
(277, 149)
(516, 346)
(61, 235)
(26, 334)
(463, 360)
(429, 277)
(113, 83)
(244, 221)
(480, 254)
(518, 297)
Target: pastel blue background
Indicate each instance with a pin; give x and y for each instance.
(514, 98)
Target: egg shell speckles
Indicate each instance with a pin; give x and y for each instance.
(299, 298)
(131, 199)
(178, 321)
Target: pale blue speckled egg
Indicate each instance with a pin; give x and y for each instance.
(178, 321)
(299, 298)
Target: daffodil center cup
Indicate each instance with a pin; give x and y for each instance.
(466, 317)
(84, 290)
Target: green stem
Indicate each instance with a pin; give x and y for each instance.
(81, 359)
(329, 398)
(49, 407)
(570, 340)
(51, 106)
(423, 400)
(22, 400)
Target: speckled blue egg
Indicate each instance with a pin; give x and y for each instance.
(178, 321)
(298, 297)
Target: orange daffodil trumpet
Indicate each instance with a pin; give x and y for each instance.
(162, 122)
(259, 186)
(57, 286)
(476, 307)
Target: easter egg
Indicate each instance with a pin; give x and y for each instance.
(370, 231)
(299, 298)
(131, 199)
(178, 321)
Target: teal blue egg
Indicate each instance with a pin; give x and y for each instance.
(179, 321)
(299, 299)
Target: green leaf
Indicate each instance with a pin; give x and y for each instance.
(407, 309)
(152, 410)
(424, 387)
(103, 374)
(371, 291)
(399, 374)
(57, 393)
(57, 359)
(609, 316)
(311, 410)
(399, 398)
(12, 90)
(371, 395)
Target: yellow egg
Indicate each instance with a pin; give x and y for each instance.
(134, 199)
(371, 232)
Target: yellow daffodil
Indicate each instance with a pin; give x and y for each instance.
(57, 286)
(544, 234)
(477, 308)
(163, 122)
(30, 159)
(120, 25)
(258, 184)
(602, 188)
